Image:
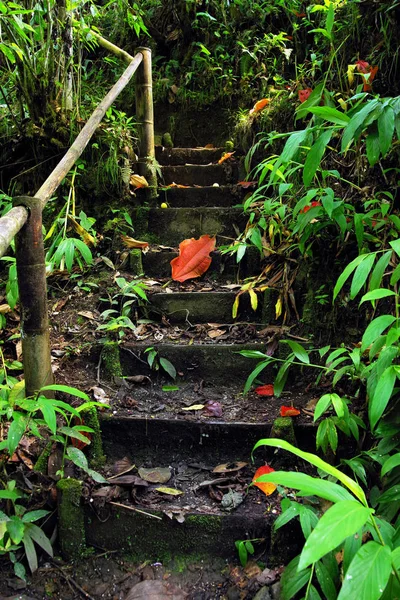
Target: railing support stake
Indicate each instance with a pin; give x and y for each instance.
(31, 272)
(145, 116)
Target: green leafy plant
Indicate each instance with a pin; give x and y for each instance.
(129, 295)
(156, 362)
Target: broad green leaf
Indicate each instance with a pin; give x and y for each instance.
(325, 581)
(17, 392)
(314, 156)
(313, 459)
(84, 250)
(395, 244)
(350, 549)
(368, 573)
(30, 553)
(168, 367)
(361, 275)
(48, 412)
(255, 372)
(34, 515)
(372, 145)
(375, 329)
(298, 351)
(390, 463)
(322, 405)
(15, 528)
(386, 129)
(293, 144)
(253, 354)
(74, 433)
(78, 458)
(359, 228)
(336, 524)
(376, 295)
(39, 537)
(308, 520)
(67, 390)
(390, 495)
(382, 395)
(308, 486)
(330, 114)
(346, 273)
(293, 580)
(15, 433)
(241, 548)
(355, 126)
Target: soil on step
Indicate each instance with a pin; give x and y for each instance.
(109, 576)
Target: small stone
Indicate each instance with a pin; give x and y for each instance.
(276, 590)
(263, 594)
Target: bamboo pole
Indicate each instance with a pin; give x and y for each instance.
(128, 58)
(65, 164)
(10, 224)
(31, 273)
(145, 117)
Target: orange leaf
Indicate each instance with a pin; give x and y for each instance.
(265, 390)
(304, 94)
(176, 185)
(138, 181)
(129, 242)
(246, 184)
(194, 258)
(258, 107)
(289, 411)
(266, 487)
(225, 157)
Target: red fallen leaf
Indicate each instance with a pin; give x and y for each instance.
(193, 259)
(246, 184)
(260, 105)
(304, 94)
(289, 411)
(307, 208)
(299, 14)
(214, 408)
(266, 487)
(265, 390)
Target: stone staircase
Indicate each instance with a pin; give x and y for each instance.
(160, 429)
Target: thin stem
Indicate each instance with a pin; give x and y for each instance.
(309, 582)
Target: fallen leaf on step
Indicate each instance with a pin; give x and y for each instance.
(4, 309)
(265, 390)
(214, 333)
(265, 486)
(231, 286)
(87, 314)
(100, 395)
(169, 491)
(289, 411)
(260, 105)
(225, 157)
(214, 408)
(137, 181)
(175, 185)
(155, 475)
(209, 146)
(193, 407)
(129, 242)
(246, 184)
(230, 467)
(194, 258)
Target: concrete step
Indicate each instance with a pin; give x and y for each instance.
(157, 263)
(170, 226)
(200, 174)
(224, 195)
(191, 156)
(216, 362)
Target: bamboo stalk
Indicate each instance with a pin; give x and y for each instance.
(10, 224)
(128, 58)
(61, 170)
(145, 117)
(31, 272)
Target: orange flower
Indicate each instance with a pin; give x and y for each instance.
(309, 206)
(304, 94)
(365, 68)
(266, 487)
(289, 411)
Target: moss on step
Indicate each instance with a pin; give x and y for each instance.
(42, 462)
(71, 519)
(97, 457)
(283, 429)
(111, 360)
(135, 262)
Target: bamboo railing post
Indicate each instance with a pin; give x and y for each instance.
(145, 116)
(31, 272)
